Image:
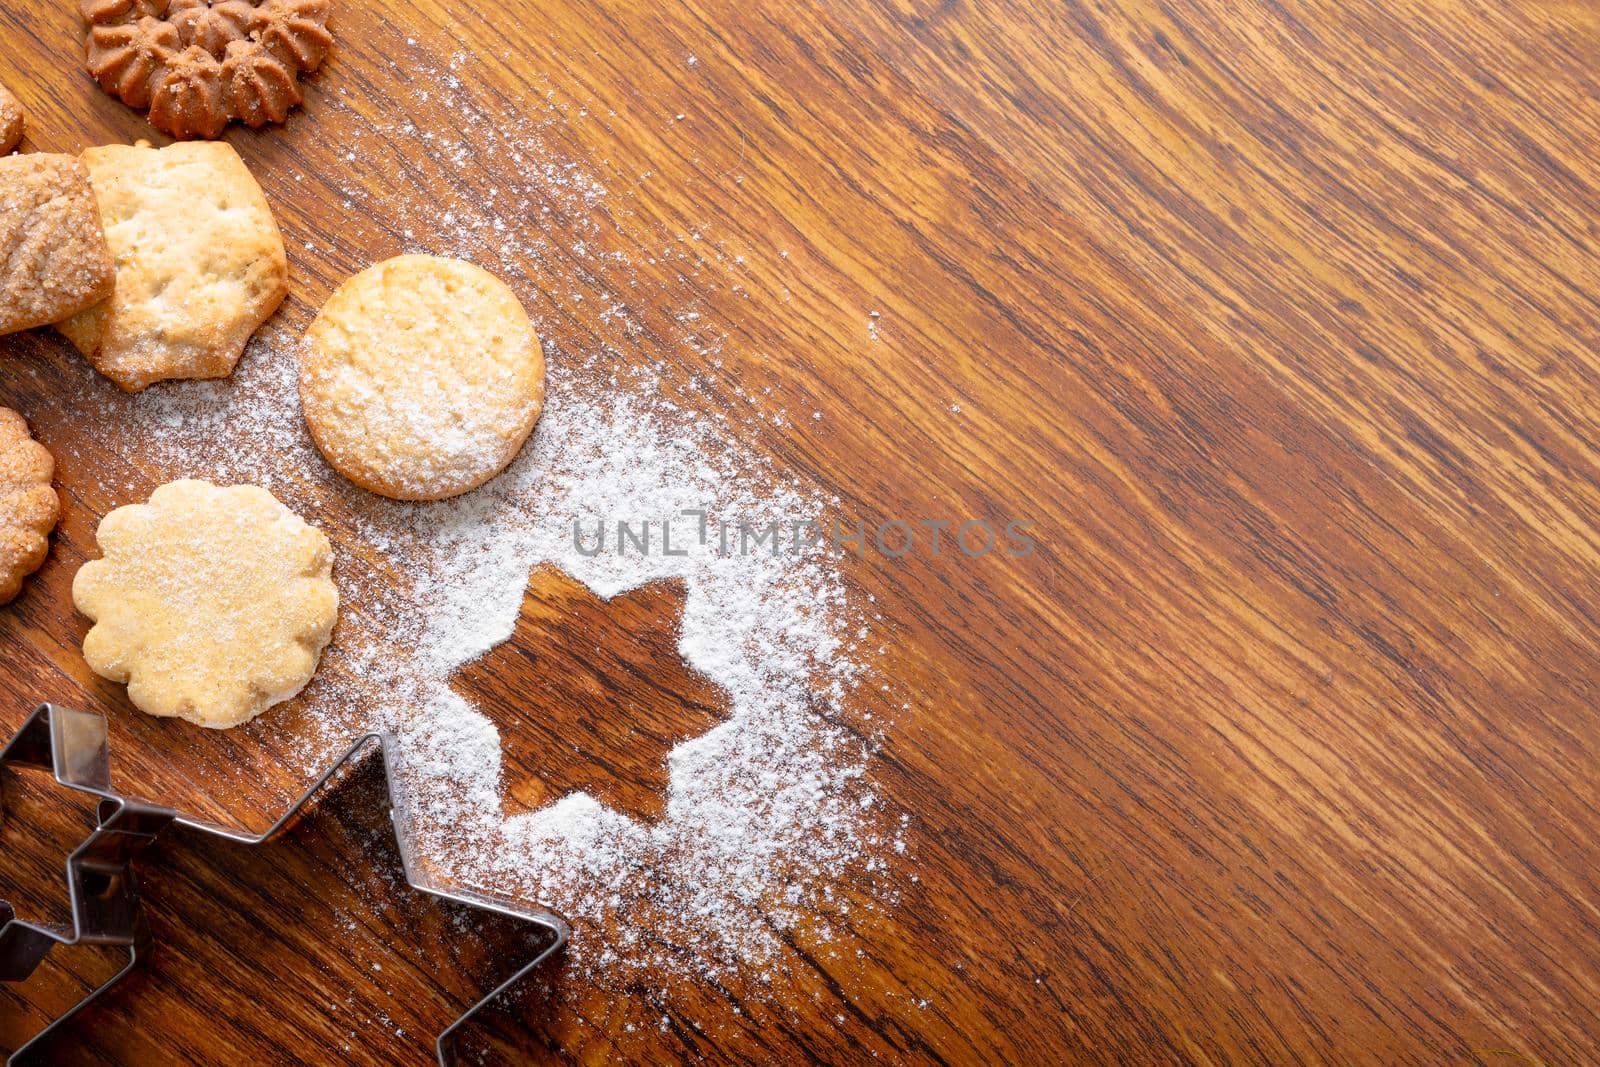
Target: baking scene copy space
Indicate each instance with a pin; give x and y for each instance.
(1254, 344)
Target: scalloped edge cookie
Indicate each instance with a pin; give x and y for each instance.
(211, 603)
(29, 504)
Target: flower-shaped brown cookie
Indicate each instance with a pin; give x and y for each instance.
(199, 64)
(212, 604)
(11, 122)
(29, 506)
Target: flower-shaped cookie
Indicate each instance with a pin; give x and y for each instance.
(29, 506)
(212, 604)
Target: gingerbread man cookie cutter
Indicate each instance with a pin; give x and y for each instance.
(103, 891)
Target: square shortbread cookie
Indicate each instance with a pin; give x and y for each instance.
(53, 256)
(200, 263)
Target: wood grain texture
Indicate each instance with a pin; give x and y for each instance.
(1279, 323)
(613, 668)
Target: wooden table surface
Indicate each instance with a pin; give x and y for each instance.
(1280, 322)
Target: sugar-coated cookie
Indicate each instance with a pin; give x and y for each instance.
(53, 256)
(29, 506)
(200, 263)
(212, 604)
(421, 378)
(11, 121)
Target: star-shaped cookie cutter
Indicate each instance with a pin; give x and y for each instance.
(102, 889)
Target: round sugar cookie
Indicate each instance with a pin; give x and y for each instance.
(212, 604)
(421, 378)
(29, 506)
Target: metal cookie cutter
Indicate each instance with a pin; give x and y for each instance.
(103, 893)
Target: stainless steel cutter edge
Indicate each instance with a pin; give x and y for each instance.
(102, 890)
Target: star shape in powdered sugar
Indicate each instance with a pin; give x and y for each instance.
(591, 694)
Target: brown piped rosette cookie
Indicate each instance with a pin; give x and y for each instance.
(29, 506)
(199, 64)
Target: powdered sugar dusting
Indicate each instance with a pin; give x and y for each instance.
(771, 791)
(768, 812)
